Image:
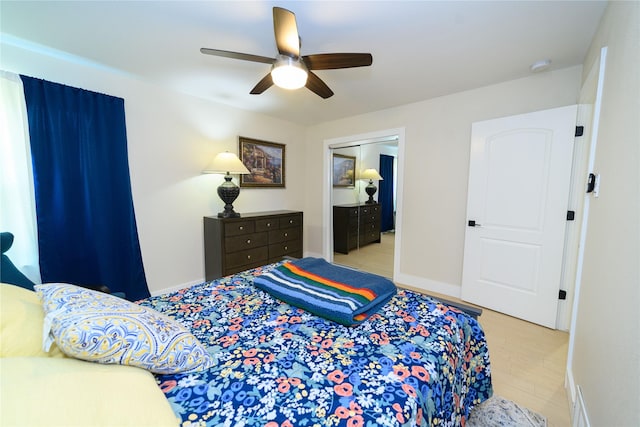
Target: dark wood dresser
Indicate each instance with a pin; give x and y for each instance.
(236, 244)
(355, 225)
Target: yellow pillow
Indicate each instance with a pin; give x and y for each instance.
(39, 391)
(21, 321)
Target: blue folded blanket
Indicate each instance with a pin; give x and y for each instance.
(336, 293)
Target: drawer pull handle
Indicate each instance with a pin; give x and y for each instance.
(241, 227)
(268, 224)
(248, 256)
(248, 241)
(290, 221)
(286, 248)
(286, 234)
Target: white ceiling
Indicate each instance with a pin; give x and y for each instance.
(421, 49)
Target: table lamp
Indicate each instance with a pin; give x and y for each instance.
(371, 189)
(227, 163)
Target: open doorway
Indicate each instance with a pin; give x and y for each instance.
(363, 204)
(361, 214)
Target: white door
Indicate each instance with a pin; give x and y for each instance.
(519, 176)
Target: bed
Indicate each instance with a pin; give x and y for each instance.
(416, 362)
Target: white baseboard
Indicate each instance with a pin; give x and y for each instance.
(421, 283)
(197, 282)
(570, 387)
(176, 288)
(312, 254)
(579, 415)
(427, 285)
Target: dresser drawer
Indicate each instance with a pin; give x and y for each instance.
(278, 250)
(236, 228)
(290, 221)
(250, 256)
(370, 218)
(248, 241)
(284, 235)
(267, 224)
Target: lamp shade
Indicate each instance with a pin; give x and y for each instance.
(370, 174)
(227, 163)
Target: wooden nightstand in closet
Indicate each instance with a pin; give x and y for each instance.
(232, 245)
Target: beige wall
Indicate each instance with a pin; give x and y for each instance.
(606, 356)
(435, 168)
(171, 139)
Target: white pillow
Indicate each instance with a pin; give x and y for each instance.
(99, 327)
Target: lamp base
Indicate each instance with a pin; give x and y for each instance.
(228, 192)
(228, 214)
(370, 190)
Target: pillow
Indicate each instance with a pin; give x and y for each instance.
(21, 320)
(8, 271)
(68, 392)
(99, 327)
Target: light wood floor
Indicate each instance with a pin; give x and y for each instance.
(375, 257)
(527, 361)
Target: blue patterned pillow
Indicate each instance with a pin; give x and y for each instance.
(99, 327)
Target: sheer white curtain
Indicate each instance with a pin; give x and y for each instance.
(17, 200)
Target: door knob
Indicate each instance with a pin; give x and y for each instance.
(472, 223)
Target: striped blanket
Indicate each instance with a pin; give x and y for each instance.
(336, 293)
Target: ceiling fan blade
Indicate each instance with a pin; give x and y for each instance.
(286, 32)
(332, 61)
(237, 55)
(262, 85)
(317, 86)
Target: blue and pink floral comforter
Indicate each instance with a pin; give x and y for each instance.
(414, 363)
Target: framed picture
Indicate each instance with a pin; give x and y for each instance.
(344, 170)
(265, 161)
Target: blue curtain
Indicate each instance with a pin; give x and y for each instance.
(87, 231)
(385, 198)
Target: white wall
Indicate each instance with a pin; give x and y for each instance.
(437, 140)
(606, 357)
(367, 157)
(171, 139)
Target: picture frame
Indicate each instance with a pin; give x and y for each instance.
(265, 161)
(344, 170)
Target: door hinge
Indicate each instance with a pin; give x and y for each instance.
(579, 130)
(562, 294)
(571, 215)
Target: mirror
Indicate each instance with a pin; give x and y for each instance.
(364, 206)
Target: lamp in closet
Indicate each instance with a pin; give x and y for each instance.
(370, 189)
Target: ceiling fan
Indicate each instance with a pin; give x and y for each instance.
(290, 70)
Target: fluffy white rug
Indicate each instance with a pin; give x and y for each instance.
(500, 412)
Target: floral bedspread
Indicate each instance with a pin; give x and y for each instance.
(415, 363)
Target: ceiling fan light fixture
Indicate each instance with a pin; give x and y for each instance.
(289, 73)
